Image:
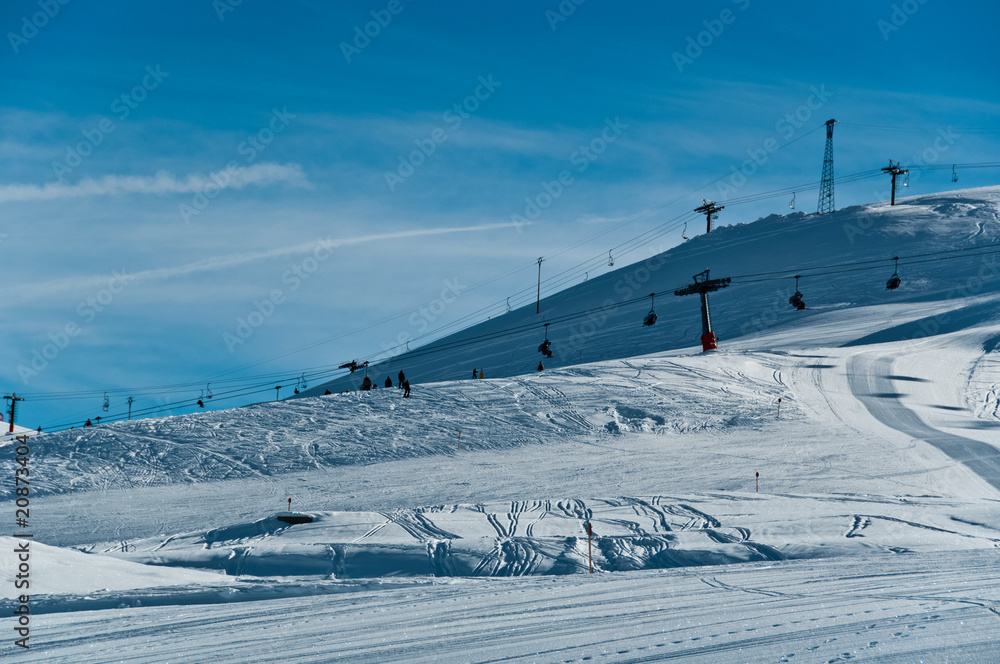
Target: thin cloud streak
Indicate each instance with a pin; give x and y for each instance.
(160, 184)
(29, 292)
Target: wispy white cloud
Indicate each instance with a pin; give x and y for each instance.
(30, 292)
(160, 184)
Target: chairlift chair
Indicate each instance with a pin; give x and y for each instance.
(796, 299)
(611, 260)
(894, 280)
(107, 403)
(545, 348)
(684, 232)
(954, 175)
(791, 204)
(650, 318)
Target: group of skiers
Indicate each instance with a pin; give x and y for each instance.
(404, 384)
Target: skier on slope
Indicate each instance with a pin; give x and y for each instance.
(388, 381)
(406, 388)
(474, 374)
(402, 378)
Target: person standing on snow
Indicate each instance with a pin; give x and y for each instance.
(406, 388)
(388, 381)
(366, 384)
(402, 379)
(540, 367)
(474, 374)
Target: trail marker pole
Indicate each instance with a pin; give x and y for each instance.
(757, 488)
(459, 439)
(590, 551)
(289, 504)
(779, 408)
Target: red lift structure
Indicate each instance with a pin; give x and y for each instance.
(703, 286)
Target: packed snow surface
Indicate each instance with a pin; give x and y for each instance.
(824, 488)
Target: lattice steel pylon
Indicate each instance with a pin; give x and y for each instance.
(826, 203)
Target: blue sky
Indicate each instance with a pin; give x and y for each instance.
(170, 170)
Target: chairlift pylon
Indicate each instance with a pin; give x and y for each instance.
(796, 299)
(650, 318)
(894, 280)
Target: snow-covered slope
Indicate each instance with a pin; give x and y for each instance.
(867, 236)
(825, 487)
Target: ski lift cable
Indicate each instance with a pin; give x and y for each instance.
(646, 236)
(432, 348)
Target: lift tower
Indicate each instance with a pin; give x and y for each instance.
(894, 170)
(13, 399)
(826, 203)
(703, 287)
(709, 209)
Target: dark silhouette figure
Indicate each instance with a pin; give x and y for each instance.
(88, 423)
(327, 392)
(388, 381)
(796, 301)
(474, 374)
(406, 388)
(366, 384)
(402, 378)
(540, 367)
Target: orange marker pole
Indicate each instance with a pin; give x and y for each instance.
(590, 551)
(289, 504)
